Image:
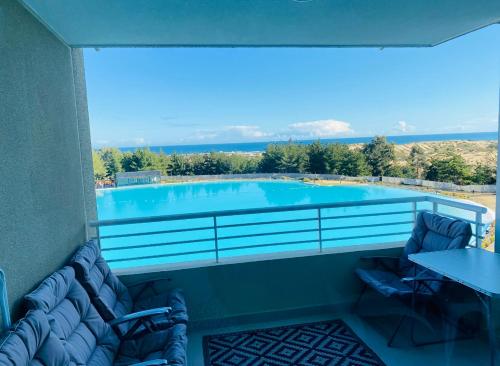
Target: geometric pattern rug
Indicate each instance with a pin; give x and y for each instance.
(316, 344)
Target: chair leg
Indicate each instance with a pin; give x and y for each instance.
(396, 331)
(358, 301)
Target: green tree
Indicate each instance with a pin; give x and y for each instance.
(99, 169)
(215, 164)
(379, 155)
(180, 165)
(272, 158)
(316, 158)
(484, 174)
(140, 159)
(353, 164)
(450, 169)
(163, 163)
(112, 158)
(294, 159)
(417, 162)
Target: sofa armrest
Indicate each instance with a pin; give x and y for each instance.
(140, 318)
(145, 314)
(158, 362)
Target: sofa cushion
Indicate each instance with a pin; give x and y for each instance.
(169, 344)
(111, 298)
(74, 320)
(30, 342)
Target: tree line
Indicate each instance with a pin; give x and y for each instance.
(376, 158)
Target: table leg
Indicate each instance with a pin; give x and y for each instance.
(486, 302)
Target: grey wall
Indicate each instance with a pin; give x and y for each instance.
(44, 143)
(268, 286)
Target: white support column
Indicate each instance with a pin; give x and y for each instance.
(497, 207)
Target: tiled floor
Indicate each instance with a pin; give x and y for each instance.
(460, 353)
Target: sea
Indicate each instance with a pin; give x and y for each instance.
(249, 147)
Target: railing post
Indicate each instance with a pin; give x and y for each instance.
(98, 233)
(414, 209)
(434, 207)
(216, 239)
(320, 237)
(479, 218)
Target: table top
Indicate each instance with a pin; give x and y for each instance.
(475, 268)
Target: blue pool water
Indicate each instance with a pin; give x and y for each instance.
(154, 200)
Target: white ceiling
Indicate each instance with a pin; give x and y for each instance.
(381, 23)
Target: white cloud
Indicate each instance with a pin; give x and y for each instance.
(321, 128)
(404, 127)
(247, 131)
(233, 133)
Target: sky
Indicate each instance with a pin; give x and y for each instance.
(175, 96)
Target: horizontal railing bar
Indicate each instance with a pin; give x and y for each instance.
(454, 217)
(152, 245)
(266, 222)
(269, 244)
(367, 225)
(268, 233)
(365, 215)
(367, 236)
(156, 232)
(304, 207)
(159, 256)
(199, 215)
(457, 204)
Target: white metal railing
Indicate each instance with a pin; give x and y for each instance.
(229, 233)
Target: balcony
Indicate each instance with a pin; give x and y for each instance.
(240, 270)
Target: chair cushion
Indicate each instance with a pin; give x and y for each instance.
(432, 233)
(112, 298)
(173, 298)
(169, 344)
(387, 283)
(30, 342)
(74, 320)
(109, 295)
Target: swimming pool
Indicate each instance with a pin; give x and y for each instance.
(234, 240)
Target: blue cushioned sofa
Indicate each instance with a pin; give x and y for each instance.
(64, 328)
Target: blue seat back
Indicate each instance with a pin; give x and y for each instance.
(431, 233)
(109, 295)
(30, 342)
(85, 336)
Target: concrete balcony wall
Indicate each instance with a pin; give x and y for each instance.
(45, 150)
(233, 292)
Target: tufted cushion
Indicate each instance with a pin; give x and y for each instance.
(431, 233)
(434, 232)
(86, 338)
(169, 344)
(30, 342)
(111, 298)
(109, 295)
(72, 318)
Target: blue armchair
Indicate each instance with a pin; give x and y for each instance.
(397, 277)
(114, 301)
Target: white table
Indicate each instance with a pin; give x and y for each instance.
(477, 269)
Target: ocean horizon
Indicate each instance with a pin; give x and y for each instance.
(249, 147)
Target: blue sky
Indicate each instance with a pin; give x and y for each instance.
(165, 96)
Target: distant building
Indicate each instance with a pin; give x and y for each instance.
(135, 178)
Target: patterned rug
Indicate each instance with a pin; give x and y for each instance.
(316, 344)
